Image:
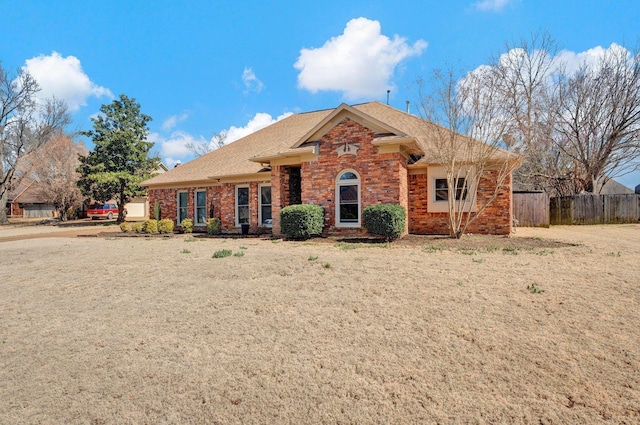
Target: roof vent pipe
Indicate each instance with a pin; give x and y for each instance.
(388, 91)
(408, 106)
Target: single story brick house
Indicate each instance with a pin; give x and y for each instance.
(26, 201)
(343, 159)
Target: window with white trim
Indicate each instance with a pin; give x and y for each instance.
(183, 206)
(265, 206)
(242, 205)
(348, 200)
(201, 208)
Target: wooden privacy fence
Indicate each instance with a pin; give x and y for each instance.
(531, 209)
(595, 209)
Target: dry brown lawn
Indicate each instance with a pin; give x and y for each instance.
(541, 328)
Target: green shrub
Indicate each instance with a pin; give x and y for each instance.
(302, 221)
(150, 226)
(187, 225)
(165, 225)
(125, 227)
(136, 227)
(213, 226)
(222, 253)
(386, 220)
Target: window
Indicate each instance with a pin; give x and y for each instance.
(242, 205)
(201, 208)
(182, 206)
(348, 200)
(442, 189)
(265, 206)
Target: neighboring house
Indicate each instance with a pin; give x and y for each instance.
(343, 159)
(139, 207)
(612, 187)
(25, 201)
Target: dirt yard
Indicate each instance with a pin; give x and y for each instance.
(540, 328)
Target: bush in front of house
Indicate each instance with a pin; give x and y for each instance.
(213, 226)
(150, 226)
(187, 225)
(136, 227)
(386, 220)
(302, 221)
(125, 227)
(165, 225)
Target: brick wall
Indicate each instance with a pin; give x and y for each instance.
(219, 198)
(383, 177)
(495, 219)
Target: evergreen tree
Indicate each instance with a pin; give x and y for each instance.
(120, 160)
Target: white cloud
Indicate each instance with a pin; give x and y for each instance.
(251, 82)
(173, 120)
(64, 78)
(175, 145)
(359, 63)
(491, 5)
(259, 121)
(565, 61)
(573, 61)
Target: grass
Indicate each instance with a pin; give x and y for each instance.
(186, 251)
(466, 251)
(222, 253)
(431, 249)
(313, 257)
(326, 265)
(534, 289)
(394, 336)
(510, 250)
(346, 246)
(545, 252)
(239, 254)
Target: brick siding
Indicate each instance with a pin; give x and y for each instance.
(495, 219)
(384, 178)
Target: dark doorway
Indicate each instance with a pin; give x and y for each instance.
(295, 186)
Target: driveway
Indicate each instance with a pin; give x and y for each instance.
(35, 228)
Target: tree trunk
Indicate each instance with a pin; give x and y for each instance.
(3, 207)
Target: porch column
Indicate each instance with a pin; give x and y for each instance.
(277, 197)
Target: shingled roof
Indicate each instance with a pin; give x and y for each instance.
(246, 156)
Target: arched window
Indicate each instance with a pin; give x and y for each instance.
(348, 199)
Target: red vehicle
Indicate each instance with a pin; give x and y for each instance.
(108, 211)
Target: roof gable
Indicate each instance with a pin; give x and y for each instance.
(337, 116)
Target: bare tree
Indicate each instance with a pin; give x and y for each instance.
(524, 81)
(24, 125)
(203, 147)
(576, 130)
(467, 143)
(598, 118)
(53, 165)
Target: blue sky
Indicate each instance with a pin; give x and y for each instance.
(202, 67)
